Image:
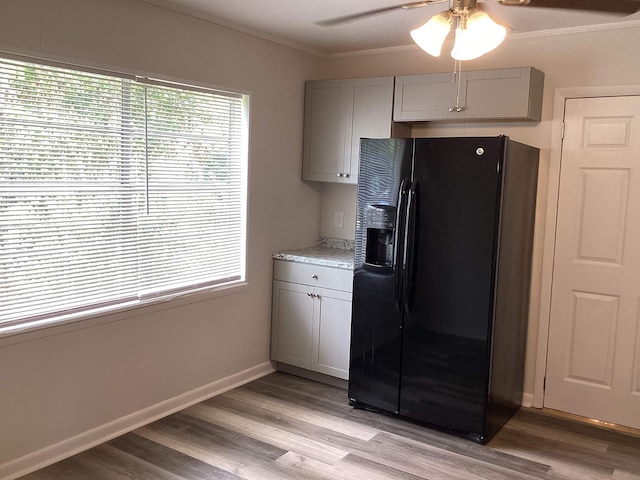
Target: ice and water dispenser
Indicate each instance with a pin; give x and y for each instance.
(380, 222)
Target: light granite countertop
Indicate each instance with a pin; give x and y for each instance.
(328, 253)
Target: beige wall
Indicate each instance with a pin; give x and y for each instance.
(586, 59)
(338, 197)
(69, 381)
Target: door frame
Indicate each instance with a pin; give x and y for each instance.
(549, 239)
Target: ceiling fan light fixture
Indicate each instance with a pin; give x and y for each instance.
(476, 35)
(431, 36)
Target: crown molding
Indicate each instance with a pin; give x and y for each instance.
(579, 29)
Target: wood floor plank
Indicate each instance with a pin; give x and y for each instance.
(212, 457)
(538, 417)
(299, 396)
(289, 384)
(373, 451)
(556, 446)
(309, 431)
(306, 414)
(298, 466)
(169, 459)
(67, 469)
(624, 475)
(109, 462)
(561, 457)
(295, 392)
(450, 443)
(353, 466)
(416, 457)
(624, 456)
(309, 448)
(283, 427)
(552, 433)
(209, 443)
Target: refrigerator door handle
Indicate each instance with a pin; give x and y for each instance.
(398, 244)
(410, 245)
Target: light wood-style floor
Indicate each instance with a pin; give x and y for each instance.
(286, 427)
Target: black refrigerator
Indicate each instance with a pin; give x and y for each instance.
(443, 248)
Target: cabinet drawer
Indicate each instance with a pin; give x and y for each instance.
(315, 275)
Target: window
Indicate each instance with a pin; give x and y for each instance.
(114, 190)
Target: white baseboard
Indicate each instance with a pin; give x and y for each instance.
(83, 441)
(527, 399)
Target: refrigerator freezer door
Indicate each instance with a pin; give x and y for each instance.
(376, 324)
(446, 335)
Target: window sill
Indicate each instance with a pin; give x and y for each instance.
(62, 324)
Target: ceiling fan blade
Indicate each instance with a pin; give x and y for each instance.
(357, 16)
(608, 6)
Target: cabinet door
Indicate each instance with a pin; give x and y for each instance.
(332, 332)
(369, 115)
(325, 119)
(426, 97)
(292, 323)
(504, 94)
(501, 94)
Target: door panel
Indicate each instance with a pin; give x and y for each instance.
(594, 343)
(593, 331)
(602, 214)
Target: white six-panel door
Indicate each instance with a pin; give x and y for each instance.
(593, 364)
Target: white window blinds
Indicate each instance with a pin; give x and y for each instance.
(114, 190)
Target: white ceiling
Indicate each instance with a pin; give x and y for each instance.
(292, 22)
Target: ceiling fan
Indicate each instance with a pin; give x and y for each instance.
(476, 32)
(608, 6)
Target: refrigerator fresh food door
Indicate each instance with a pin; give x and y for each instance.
(449, 300)
(374, 372)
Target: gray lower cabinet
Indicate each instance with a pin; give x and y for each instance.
(311, 317)
(337, 113)
(506, 94)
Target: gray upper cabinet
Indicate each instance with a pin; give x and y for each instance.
(337, 114)
(503, 94)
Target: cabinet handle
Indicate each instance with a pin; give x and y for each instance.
(316, 295)
(309, 294)
(343, 175)
(456, 109)
(314, 276)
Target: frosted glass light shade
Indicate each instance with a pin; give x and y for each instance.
(480, 36)
(430, 36)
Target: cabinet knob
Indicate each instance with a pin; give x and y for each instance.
(314, 276)
(309, 294)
